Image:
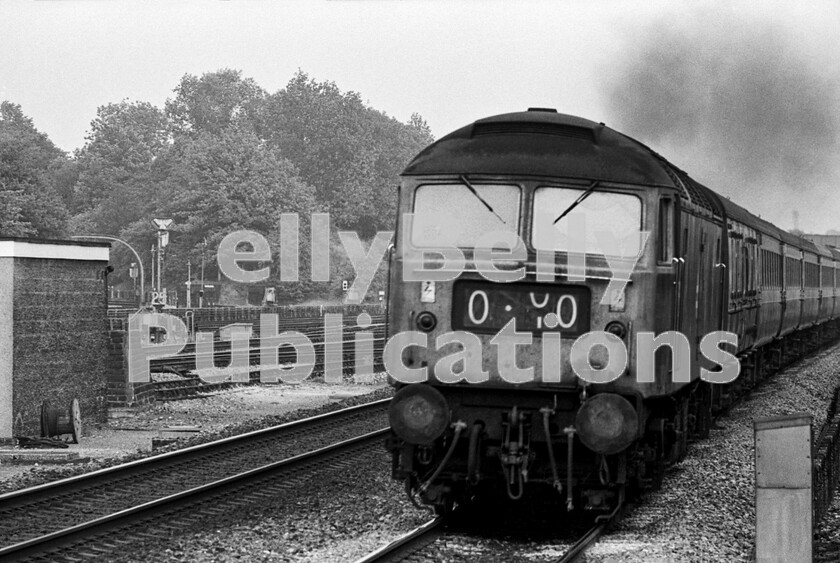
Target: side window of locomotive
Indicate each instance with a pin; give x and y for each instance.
(665, 231)
(611, 222)
(454, 215)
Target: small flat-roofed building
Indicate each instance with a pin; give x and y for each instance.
(53, 330)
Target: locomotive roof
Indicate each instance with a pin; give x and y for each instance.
(543, 143)
(741, 215)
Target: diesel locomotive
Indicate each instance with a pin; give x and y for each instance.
(567, 309)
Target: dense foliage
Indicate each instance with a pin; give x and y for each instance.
(222, 155)
(35, 179)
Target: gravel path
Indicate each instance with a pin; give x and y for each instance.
(229, 412)
(705, 510)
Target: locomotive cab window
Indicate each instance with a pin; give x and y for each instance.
(665, 231)
(617, 216)
(447, 215)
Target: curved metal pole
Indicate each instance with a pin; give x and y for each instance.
(139, 261)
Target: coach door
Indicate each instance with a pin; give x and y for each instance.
(707, 309)
(701, 295)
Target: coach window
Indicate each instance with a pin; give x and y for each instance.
(789, 274)
(737, 261)
(747, 271)
(765, 273)
(777, 259)
(666, 231)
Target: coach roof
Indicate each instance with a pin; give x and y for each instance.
(543, 143)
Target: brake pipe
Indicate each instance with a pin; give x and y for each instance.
(547, 412)
(570, 435)
(459, 427)
(472, 454)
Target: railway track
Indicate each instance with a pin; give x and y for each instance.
(312, 328)
(96, 513)
(411, 545)
(187, 360)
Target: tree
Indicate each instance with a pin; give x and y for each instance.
(225, 156)
(214, 102)
(115, 167)
(29, 161)
(220, 183)
(350, 153)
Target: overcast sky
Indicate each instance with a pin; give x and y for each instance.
(454, 62)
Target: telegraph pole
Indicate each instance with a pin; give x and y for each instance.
(154, 288)
(189, 285)
(201, 289)
(158, 260)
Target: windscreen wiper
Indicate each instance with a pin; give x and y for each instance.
(481, 199)
(578, 201)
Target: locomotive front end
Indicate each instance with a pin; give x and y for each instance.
(521, 271)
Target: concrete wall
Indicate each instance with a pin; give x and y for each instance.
(56, 332)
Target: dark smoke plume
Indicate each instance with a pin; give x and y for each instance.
(742, 109)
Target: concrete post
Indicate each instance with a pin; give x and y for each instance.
(783, 489)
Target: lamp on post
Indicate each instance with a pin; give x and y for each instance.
(162, 240)
(134, 266)
(132, 272)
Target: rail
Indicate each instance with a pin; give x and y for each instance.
(85, 540)
(406, 544)
(582, 544)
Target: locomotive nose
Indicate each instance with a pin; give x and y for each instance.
(606, 423)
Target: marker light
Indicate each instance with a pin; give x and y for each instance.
(617, 328)
(426, 321)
